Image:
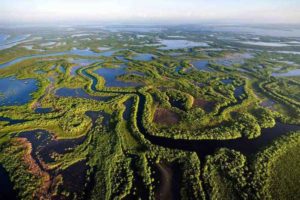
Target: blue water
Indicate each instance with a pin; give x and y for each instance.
(62, 69)
(3, 38)
(178, 69)
(76, 52)
(239, 91)
(84, 62)
(122, 58)
(202, 65)
(74, 69)
(79, 93)
(295, 72)
(110, 75)
(143, 57)
(13, 41)
(16, 92)
(227, 81)
(179, 44)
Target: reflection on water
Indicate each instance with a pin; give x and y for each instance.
(202, 65)
(295, 72)
(16, 92)
(180, 44)
(111, 74)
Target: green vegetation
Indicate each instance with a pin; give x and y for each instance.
(90, 141)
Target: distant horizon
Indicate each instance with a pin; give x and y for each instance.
(150, 11)
(144, 23)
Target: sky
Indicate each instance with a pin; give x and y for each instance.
(164, 11)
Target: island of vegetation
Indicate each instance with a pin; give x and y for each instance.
(170, 113)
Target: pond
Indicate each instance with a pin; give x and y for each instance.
(143, 57)
(227, 81)
(43, 110)
(202, 65)
(15, 91)
(180, 44)
(239, 91)
(44, 145)
(110, 75)
(295, 72)
(177, 69)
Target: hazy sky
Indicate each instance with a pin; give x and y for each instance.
(181, 11)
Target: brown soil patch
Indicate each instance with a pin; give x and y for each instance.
(34, 169)
(165, 116)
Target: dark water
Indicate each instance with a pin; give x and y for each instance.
(75, 179)
(111, 74)
(177, 69)
(202, 65)
(44, 144)
(79, 93)
(43, 110)
(6, 186)
(208, 147)
(128, 104)
(12, 121)
(227, 81)
(16, 92)
(94, 115)
(239, 91)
